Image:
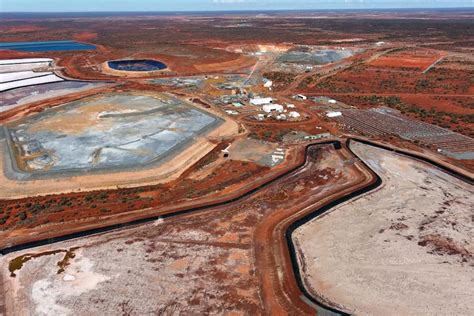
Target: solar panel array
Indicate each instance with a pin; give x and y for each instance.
(380, 122)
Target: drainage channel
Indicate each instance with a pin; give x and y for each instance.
(324, 308)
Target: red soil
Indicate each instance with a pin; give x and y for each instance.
(21, 29)
(457, 105)
(389, 61)
(418, 58)
(86, 36)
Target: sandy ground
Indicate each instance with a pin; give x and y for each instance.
(260, 152)
(164, 172)
(404, 249)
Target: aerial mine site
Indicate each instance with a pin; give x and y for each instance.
(231, 158)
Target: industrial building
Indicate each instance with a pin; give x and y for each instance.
(294, 114)
(261, 101)
(333, 114)
(272, 107)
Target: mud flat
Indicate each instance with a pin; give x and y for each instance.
(404, 249)
(156, 269)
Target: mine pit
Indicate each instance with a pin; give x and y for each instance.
(136, 65)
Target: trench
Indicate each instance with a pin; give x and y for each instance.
(322, 307)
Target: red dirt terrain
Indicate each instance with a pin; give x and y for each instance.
(419, 59)
(233, 256)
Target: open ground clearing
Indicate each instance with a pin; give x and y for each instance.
(404, 249)
(420, 59)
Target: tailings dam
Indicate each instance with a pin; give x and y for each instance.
(105, 131)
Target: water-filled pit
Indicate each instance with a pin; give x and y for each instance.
(136, 65)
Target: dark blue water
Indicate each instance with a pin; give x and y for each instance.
(137, 65)
(48, 46)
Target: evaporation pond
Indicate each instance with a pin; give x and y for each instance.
(47, 46)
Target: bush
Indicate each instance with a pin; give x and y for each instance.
(3, 220)
(22, 216)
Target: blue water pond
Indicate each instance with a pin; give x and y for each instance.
(137, 65)
(45, 46)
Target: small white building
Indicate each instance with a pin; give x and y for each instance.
(281, 117)
(237, 104)
(272, 107)
(226, 150)
(261, 101)
(301, 97)
(290, 106)
(332, 101)
(294, 114)
(277, 158)
(333, 114)
(268, 84)
(260, 117)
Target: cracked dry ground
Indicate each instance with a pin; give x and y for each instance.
(198, 263)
